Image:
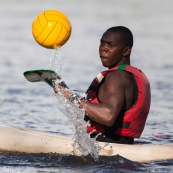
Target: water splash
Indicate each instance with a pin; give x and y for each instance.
(82, 141)
(56, 60)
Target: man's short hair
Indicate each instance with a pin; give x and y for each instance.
(125, 32)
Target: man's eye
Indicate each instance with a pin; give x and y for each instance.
(111, 45)
(101, 43)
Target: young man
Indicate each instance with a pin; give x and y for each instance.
(118, 99)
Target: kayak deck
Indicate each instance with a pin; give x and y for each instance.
(31, 141)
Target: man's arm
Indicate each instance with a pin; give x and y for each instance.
(112, 96)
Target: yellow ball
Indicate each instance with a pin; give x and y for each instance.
(51, 29)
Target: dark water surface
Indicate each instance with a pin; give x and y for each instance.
(29, 105)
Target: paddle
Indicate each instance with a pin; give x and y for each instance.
(42, 75)
(49, 76)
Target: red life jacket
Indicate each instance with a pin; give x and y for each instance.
(130, 123)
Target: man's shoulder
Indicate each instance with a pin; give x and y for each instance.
(119, 76)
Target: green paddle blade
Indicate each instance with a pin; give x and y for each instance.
(42, 75)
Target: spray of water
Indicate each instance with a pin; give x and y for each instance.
(82, 141)
(56, 60)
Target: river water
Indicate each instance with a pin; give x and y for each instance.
(29, 105)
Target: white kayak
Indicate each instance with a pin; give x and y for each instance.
(31, 141)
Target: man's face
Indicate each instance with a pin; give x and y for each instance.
(111, 49)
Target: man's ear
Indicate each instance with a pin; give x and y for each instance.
(127, 51)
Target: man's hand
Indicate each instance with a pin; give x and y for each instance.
(62, 85)
(70, 95)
